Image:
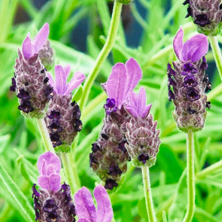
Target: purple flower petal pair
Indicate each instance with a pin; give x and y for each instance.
(29, 47)
(122, 81)
(60, 85)
(193, 49)
(85, 207)
(49, 166)
(136, 105)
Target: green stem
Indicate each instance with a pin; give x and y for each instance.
(217, 53)
(45, 135)
(69, 172)
(190, 177)
(147, 193)
(103, 54)
(209, 170)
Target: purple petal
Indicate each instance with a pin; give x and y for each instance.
(141, 101)
(178, 44)
(195, 48)
(134, 74)
(131, 110)
(67, 70)
(104, 210)
(83, 220)
(54, 182)
(41, 37)
(43, 182)
(116, 83)
(50, 159)
(77, 79)
(27, 49)
(60, 79)
(84, 205)
(146, 111)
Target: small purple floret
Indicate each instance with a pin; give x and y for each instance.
(143, 158)
(202, 20)
(23, 95)
(110, 184)
(192, 94)
(114, 171)
(189, 81)
(110, 106)
(13, 87)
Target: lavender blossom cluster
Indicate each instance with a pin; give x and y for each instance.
(188, 83)
(42, 97)
(128, 132)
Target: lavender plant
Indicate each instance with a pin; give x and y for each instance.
(133, 37)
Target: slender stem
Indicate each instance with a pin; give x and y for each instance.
(103, 54)
(147, 193)
(45, 135)
(217, 53)
(190, 178)
(69, 172)
(209, 170)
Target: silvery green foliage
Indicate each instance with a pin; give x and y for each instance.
(207, 14)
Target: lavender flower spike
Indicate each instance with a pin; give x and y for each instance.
(187, 82)
(53, 202)
(30, 82)
(109, 155)
(141, 133)
(63, 115)
(86, 210)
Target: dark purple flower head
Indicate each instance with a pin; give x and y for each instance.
(49, 166)
(110, 106)
(122, 81)
(60, 84)
(29, 47)
(136, 106)
(85, 207)
(193, 49)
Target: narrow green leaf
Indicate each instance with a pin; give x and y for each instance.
(21, 201)
(177, 209)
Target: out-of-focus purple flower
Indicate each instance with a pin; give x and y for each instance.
(29, 47)
(193, 49)
(122, 81)
(60, 84)
(136, 105)
(49, 166)
(86, 210)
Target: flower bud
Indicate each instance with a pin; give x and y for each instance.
(207, 15)
(46, 54)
